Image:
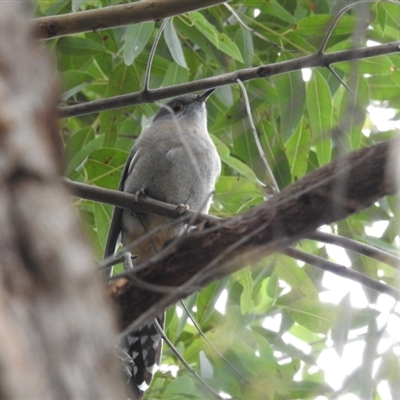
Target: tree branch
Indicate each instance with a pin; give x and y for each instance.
(205, 256)
(131, 202)
(313, 60)
(357, 247)
(114, 16)
(342, 271)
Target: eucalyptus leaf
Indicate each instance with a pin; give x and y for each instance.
(220, 40)
(174, 44)
(137, 36)
(319, 107)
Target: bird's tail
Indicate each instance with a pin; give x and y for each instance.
(143, 348)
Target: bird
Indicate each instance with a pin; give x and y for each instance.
(173, 160)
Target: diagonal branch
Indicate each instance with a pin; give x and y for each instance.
(357, 247)
(364, 176)
(342, 271)
(264, 71)
(114, 16)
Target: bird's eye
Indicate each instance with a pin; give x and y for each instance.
(176, 107)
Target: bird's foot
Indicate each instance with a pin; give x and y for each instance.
(182, 208)
(128, 258)
(138, 194)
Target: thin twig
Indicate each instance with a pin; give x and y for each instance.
(335, 74)
(342, 271)
(184, 362)
(230, 365)
(275, 187)
(357, 247)
(119, 256)
(151, 55)
(336, 20)
(129, 269)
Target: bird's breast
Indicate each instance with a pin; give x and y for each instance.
(176, 168)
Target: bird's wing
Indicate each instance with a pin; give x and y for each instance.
(116, 226)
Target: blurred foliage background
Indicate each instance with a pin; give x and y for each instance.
(290, 330)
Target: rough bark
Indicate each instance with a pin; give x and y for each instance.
(329, 194)
(56, 327)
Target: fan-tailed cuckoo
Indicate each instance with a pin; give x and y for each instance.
(174, 160)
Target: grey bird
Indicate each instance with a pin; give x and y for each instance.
(174, 160)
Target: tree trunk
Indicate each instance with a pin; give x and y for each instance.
(56, 327)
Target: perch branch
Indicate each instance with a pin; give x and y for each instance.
(313, 60)
(293, 213)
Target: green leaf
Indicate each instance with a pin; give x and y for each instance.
(137, 36)
(384, 87)
(206, 368)
(297, 150)
(288, 270)
(392, 15)
(318, 24)
(272, 7)
(381, 15)
(291, 93)
(233, 114)
(244, 41)
(198, 39)
(308, 389)
(79, 157)
(258, 368)
(262, 300)
(381, 65)
(123, 80)
(389, 369)
(353, 112)
(234, 163)
(179, 388)
(174, 44)
(244, 277)
(225, 95)
(74, 81)
(319, 107)
(342, 326)
(102, 214)
(233, 192)
(175, 75)
(190, 302)
(310, 313)
(78, 46)
(219, 40)
(78, 4)
(53, 7)
(274, 148)
(104, 167)
(207, 298)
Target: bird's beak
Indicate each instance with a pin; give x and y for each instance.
(204, 96)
